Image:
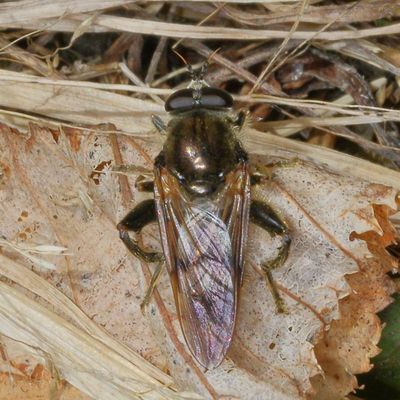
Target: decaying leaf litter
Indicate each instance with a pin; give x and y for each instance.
(71, 117)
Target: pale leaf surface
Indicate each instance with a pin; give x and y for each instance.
(57, 189)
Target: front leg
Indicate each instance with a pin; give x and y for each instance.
(266, 218)
(143, 214)
(159, 124)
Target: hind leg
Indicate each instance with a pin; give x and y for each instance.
(143, 214)
(266, 218)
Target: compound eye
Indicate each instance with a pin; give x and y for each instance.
(210, 98)
(180, 101)
(215, 98)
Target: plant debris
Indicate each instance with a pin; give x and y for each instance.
(79, 82)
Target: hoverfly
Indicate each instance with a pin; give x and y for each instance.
(202, 202)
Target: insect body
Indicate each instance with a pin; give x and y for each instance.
(202, 204)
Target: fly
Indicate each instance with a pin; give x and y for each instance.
(202, 202)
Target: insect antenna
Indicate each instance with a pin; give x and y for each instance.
(188, 66)
(211, 56)
(199, 73)
(180, 56)
(202, 71)
(196, 76)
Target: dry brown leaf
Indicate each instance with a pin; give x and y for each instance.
(57, 189)
(262, 143)
(22, 378)
(39, 389)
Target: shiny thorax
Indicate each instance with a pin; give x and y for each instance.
(201, 148)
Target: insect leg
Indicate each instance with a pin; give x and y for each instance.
(266, 218)
(143, 214)
(264, 173)
(240, 119)
(153, 284)
(143, 184)
(159, 124)
(131, 170)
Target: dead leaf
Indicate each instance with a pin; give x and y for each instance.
(21, 376)
(333, 283)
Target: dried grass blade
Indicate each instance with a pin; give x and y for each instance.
(264, 73)
(30, 10)
(78, 104)
(34, 283)
(364, 10)
(110, 23)
(362, 50)
(84, 361)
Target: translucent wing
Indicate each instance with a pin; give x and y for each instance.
(203, 241)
